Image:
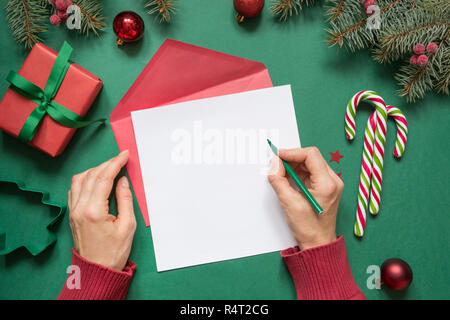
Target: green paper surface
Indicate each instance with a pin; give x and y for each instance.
(413, 221)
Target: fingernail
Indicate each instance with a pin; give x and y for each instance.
(125, 182)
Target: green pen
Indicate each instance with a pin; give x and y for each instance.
(298, 182)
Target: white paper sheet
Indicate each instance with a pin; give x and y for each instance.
(204, 165)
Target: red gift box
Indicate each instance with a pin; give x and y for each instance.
(77, 92)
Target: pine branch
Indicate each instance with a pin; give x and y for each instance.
(163, 8)
(422, 25)
(45, 3)
(92, 18)
(416, 80)
(443, 80)
(26, 19)
(335, 12)
(286, 8)
(404, 23)
(348, 28)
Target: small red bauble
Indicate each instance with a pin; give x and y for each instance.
(396, 274)
(128, 26)
(247, 8)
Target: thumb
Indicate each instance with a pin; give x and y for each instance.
(125, 208)
(280, 183)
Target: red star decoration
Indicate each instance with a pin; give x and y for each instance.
(335, 156)
(340, 175)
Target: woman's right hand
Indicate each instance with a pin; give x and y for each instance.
(309, 228)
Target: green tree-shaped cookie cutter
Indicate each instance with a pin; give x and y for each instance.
(32, 247)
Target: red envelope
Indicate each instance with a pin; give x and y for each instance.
(180, 72)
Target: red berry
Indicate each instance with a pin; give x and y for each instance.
(55, 20)
(413, 59)
(419, 48)
(61, 5)
(422, 60)
(367, 4)
(432, 47)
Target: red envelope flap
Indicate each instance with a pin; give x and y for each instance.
(178, 70)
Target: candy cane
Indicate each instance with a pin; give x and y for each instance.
(364, 180)
(350, 114)
(373, 136)
(402, 130)
(400, 143)
(367, 163)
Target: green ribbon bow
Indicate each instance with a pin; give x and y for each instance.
(44, 98)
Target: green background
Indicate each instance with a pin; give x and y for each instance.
(413, 222)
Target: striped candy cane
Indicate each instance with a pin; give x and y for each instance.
(400, 143)
(366, 167)
(402, 130)
(364, 180)
(378, 156)
(350, 114)
(373, 138)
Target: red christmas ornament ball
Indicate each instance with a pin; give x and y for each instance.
(128, 26)
(396, 274)
(248, 8)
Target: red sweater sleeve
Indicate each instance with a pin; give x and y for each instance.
(96, 282)
(322, 273)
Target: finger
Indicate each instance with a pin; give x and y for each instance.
(311, 157)
(69, 200)
(338, 180)
(99, 181)
(75, 188)
(125, 217)
(299, 169)
(280, 183)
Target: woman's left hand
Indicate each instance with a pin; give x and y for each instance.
(99, 236)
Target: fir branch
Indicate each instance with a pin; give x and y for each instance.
(45, 3)
(335, 12)
(163, 8)
(443, 78)
(416, 80)
(285, 8)
(423, 25)
(92, 18)
(347, 28)
(396, 45)
(26, 20)
(404, 24)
